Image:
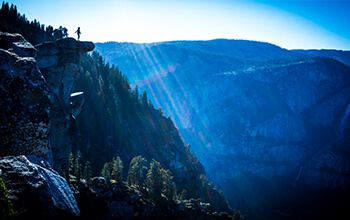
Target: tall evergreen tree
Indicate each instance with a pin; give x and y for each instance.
(137, 170)
(87, 172)
(154, 181)
(117, 170)
(144, 99)
(106, 170)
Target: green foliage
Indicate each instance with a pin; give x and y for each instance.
(137, 171)
(74, 167)
(87, 172)
(13, 22)
(117, 170)
(168, 185)
(59, 33)
(154, 181)
(113, 170)
(5, 203)
(69, 168)
(159, 181)
(183, 195)
(77, 167)
(107, 170)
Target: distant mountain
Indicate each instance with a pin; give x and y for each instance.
(268, 124)
(342, 56)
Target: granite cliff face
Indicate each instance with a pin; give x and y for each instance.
(255, 114)
(24, 99)
(59, 63)
(31, 113)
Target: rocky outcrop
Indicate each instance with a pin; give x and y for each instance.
(35, 189)
(106, 200)
(26, 113)
(24, 99)
(59, 63)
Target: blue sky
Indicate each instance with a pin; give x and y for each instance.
(290, 24)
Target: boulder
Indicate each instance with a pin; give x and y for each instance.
(37, 190)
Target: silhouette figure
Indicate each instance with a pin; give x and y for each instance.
(78, 33)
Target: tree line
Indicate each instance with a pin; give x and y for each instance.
(13, 22)
(150, 179)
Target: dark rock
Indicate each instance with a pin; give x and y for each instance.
(77, 103)
(36, 190)
(71, 44)
(16, 44)
(120, 210)
(24, 99)
(59, 62)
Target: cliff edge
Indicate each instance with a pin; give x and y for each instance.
(59, 63)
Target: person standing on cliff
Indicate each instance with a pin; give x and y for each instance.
(78, 33)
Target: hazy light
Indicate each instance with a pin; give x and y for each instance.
(155, 20)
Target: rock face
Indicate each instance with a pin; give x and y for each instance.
(255, 114)
(35, 189)
(24, 99)
(59, 63)
(26, 113)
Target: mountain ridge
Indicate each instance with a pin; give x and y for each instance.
(256, 112)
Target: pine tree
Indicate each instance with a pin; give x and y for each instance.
(106, 170)
(136, 94)
(154, 181)
(159, 181)
(77, 170)
(137, 169)
(70, 167)
(117, 170)
(169, 187)
(144, 99)
(87, 172)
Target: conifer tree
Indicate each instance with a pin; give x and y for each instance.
(169, 187)
(154, 181)
(144, 99)
(77, 170)
(69, 168)
(106, 170)
(136, 94)
(117, 170)
(159, 181)
(87, 172)
(137, 169)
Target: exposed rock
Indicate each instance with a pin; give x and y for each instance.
(77, 102)
(24, 99)
(59, 62)
(36, 190)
